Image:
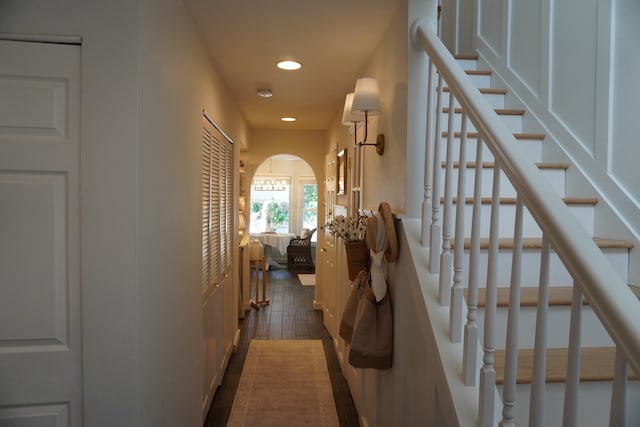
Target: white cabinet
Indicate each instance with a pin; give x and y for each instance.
(219, 309)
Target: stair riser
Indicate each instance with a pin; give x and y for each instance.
(531, 147)
(584, 215)
(558, 274)
(495, 100)
(593, 333)
(594, 406)
(555, 177)
(468, 64)
(512, 122)
(480, 80)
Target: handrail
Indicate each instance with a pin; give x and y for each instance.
(613, 302)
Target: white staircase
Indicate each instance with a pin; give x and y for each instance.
(598, 349)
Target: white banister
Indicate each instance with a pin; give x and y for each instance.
(427, 203)
(536, 405)
(471, 329)
(511, 356)
(457, 292)
(571, 390)
(446, 258)
(618, 414)
(436, 228)
(488, 372)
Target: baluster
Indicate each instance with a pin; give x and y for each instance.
(488, 372)
(536, 406)
(469, 358)
(457, 292)
(434, 233)
(571, 390)
(618, 415)
(511, 356)
(446, 258)
(427, 203)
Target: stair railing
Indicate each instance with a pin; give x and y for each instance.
(594, 277)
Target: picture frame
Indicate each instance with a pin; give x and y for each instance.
(341, 172)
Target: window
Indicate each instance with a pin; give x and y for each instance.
(309, 216)
(270, 204)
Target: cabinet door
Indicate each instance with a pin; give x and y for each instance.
(218, 308)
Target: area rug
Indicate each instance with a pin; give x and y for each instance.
(284, 383)
(307, 279)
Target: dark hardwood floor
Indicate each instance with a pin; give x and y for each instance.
(290, 315)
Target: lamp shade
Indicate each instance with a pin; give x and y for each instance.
(242, 222)
(348, 118)
(366, 96)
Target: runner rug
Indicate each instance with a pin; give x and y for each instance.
(284, 383)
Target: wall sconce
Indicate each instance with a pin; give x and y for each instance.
(366, 99)
(349, 118)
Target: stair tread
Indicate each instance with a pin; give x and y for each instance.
(471, 56)
(558, 296)
(512, 200)
(536, 243)
(478, 72)
(596, 364)
(499, 111)
(473, 135)
(484, 90)
(491, 165)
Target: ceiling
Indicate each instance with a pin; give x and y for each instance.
(333, 39)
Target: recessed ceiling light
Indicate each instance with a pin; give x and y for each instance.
(265, 92)
(288, 119)
(289, 65)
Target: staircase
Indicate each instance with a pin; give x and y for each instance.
(509, 292)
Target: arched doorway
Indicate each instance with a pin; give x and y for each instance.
(283, 199)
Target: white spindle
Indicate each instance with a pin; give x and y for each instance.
(618, 415)
(572, 387)
(428, 153)
(536, 405)
(446, 257)
(470, 361)
(488, 372)
(511, 354)
(457, 292)
(436, 227)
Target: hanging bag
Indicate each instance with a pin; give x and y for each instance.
(350, 308)
(372, 339)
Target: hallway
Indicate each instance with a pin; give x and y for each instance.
(288, 316)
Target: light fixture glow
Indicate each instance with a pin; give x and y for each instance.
(289, 65)
(288, 119)
(265, 92)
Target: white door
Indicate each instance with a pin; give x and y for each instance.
(40, 313)
(329, 274)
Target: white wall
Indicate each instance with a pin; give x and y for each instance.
(145, 82)
(413, 391)
(177, 82)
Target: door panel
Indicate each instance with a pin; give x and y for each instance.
(40, 312)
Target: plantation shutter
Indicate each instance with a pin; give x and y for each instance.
(206, 206)
(217, 203)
